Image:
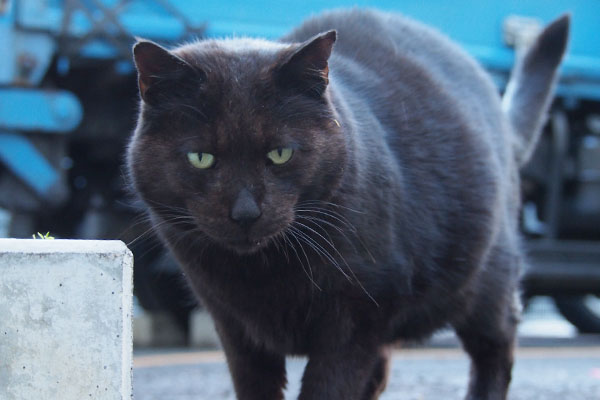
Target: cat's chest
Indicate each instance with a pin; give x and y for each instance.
(282, 311)
(285, 324)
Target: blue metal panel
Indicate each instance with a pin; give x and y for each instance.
(475, 24)
(26, 162)
(31, 31)
(7, 63)
(25, 55)
(37, 110)
(33, 52)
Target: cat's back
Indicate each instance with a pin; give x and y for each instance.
(424, 114)
(392, 57)
(377, 40)
(422, 88)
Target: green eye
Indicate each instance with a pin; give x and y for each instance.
(201, 160)
(281, 155)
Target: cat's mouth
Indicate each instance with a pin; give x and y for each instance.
(247, 246)
(245, 242)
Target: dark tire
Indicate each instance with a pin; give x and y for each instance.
(578, 311)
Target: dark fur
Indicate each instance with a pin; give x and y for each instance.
(396, 223)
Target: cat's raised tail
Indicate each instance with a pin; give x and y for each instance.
(531, 86)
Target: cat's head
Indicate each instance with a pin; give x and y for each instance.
(233, 134)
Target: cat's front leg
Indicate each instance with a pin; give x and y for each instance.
(341, 375)
(257, 373)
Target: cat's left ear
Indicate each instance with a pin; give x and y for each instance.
(307, 67)
(156, 65)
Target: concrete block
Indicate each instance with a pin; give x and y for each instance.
(65, 320)
(202, 331)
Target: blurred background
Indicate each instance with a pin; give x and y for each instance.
(68, 101)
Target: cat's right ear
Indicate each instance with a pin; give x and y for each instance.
(307, 67)
(156, 66)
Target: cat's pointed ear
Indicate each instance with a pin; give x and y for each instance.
(307, 67)
(156, 65)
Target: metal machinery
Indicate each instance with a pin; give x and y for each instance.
(68, 99)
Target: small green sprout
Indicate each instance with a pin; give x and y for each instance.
(44, 237)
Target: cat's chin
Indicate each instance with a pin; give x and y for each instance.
(246, 247)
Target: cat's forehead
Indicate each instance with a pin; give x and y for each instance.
(209, 55)
(235, 70)
(246, 110)
(238, 72)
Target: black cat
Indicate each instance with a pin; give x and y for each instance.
(330, 200)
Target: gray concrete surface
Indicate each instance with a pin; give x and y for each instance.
(65, 320)
(554, 373)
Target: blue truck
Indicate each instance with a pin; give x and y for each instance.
(68, 98)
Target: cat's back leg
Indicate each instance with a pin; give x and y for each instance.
(488, 331)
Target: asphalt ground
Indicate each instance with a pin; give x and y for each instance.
(550, 369)
(552, 362)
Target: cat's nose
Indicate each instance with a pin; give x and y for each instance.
(245, 210)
